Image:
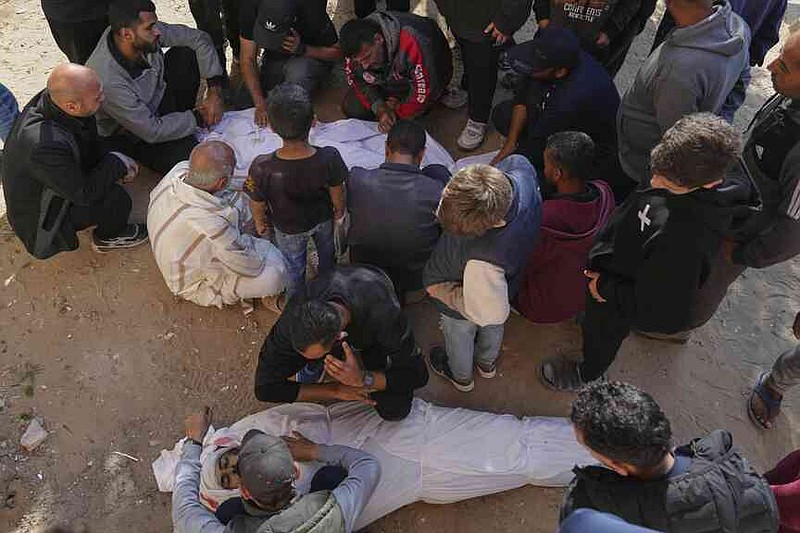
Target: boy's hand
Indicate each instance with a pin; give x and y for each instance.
(593, 280)
(301, 448)
(261, 228)
(196, 425)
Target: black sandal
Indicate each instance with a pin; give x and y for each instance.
(561, 375)
(772, 405)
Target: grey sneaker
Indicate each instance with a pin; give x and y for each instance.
(487, 372)
(438, 361)
(472, 135)
(132, 236)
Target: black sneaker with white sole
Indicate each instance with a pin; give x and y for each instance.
(132, 236)
(438, 361)
(486, 372)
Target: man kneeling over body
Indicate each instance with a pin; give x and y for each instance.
(266, 471)
(349, 325)
(199, 245)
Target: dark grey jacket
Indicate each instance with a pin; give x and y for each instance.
(468, 18)
(720, 493)
(772, 155)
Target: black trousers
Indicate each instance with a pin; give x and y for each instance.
(182, 77)
(77, 39)
(365, 7)
(110, 215)
(480, 75)
(219, 19)
(603, 332)
(393, 405)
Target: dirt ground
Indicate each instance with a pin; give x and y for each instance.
(97, 347)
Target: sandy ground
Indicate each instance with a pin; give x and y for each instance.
(97, 347)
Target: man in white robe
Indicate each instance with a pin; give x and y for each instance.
(196, 226)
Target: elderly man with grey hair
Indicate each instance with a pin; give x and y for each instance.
(198, 240)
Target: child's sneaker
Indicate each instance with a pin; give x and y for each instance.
(472, 136)
(438, 361)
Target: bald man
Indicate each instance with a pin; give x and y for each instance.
(57, 177)
(199, 241)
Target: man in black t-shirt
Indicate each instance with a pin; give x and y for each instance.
(299, 43)
(346, 326)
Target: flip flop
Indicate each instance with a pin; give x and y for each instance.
(772, 405)
(561, 375)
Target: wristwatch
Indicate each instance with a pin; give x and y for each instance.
(369, 379)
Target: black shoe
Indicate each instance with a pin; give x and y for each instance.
(132, 236)
(438, 361)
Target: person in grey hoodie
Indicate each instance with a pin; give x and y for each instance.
(149, 110)
(694, 70)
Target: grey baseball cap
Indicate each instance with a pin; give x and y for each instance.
(265, 464)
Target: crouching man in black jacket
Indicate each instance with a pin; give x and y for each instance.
(346, 326)
(705, 485)
(58, 179)
(649, 266)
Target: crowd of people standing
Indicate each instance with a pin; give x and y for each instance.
(630, 213)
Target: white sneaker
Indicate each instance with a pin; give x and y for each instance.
(472, 136)
(454, 98)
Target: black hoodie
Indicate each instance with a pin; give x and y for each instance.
(657, 250)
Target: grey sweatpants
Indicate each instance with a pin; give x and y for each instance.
(785, 372)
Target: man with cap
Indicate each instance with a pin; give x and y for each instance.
(299, 42)
(267, 470)
(561, 88)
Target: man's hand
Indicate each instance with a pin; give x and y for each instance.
(499, 37)
(302, 449)
(796, 327)
(347, 372)
(196, 425)
(602, 40)
(386, 119)
(347, 393)
(211, 109)
(593, 280)
(261, 119)
(543, 23)
(292, 44)
(131, 166)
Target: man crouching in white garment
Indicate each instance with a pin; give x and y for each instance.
(196, 226)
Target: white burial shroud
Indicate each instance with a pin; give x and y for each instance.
(437, 454)
(359, 142)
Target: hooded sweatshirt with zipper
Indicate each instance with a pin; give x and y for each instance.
(553, 285)
(694, 70)
(719, 492)
(416, 70)
(657, 251)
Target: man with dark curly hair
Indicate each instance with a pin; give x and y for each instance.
(705, 485)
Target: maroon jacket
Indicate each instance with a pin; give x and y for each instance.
(553, 285)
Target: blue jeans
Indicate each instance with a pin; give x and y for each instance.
(294, 247)
(467, 343)
(9, 110)
(591, 521)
